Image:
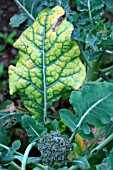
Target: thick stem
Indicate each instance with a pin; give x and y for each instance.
(100, 146)
(26, 155)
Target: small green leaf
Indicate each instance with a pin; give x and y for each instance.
(109, 5)
(68, 118)
(10, 38)
(1, 68)
(86, 5)
(81, 162)
(92, 41)
(17, 20)
(7, 120)
(28, 7)
(2, 168)
(55, 125)
(33, 128)
(16, 144)
(7, 156)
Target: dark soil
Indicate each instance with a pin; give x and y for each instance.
(7, 9)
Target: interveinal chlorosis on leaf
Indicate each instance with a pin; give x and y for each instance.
(49, 64)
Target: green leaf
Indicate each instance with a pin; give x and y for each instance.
(92, 41)
(109, 129)
(55, 125)
(49, 65)
(89, 5)
(10, 38)
(93, 105)
(8, 119)
(7, 156)
(17, 20)
(1, 167)
(1, 68)
(107, 163)
(28, 7)
(81, 162)
(68, 118)
(16, 145)
(33, 128)
(91, 10)
(109, 5)
(5, 136)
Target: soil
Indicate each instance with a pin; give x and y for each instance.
(7, 9)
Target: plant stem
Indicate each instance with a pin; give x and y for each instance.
(107, 69)
(15, 165)
(23, 7)
(100, 146)
(23, 167)
(42, 167)
(73, 136)
(84, 56)
(100, 79)
(7, 148)
(89, 9)
(108, 52)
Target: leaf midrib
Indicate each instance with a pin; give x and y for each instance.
(25, 10)
(88, 111)
(44, 67)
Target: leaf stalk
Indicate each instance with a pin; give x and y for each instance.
(23, 167)
(25, 10)
(100, 146)
(89, 9)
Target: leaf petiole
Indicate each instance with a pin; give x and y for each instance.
(26, 155)
(89, 9)
(100, 146)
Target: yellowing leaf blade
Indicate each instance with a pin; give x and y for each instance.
(49, 65)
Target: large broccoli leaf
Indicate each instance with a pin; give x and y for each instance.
(93, 106)
(49, 65)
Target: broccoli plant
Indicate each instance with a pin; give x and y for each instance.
(66, 54)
